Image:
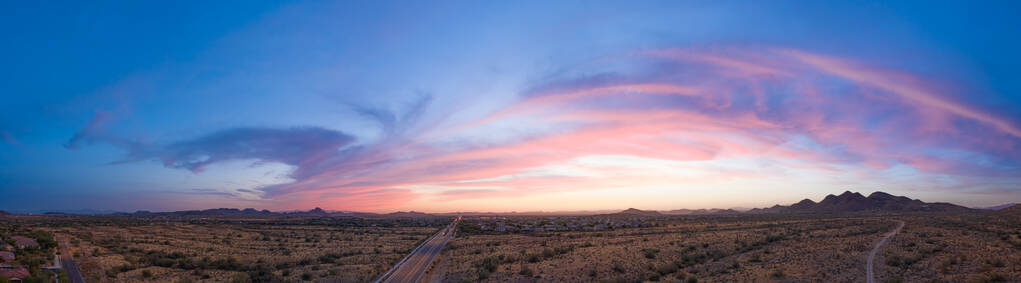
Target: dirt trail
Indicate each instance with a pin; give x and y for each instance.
(872, 256)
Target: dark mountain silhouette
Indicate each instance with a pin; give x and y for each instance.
(998, 207)
(409, 214)
(803, 204)
(251, 212)
(638, 212)
(207, 212)
(1013, 210)
(856, 202)
(699, 211)
(724, 211)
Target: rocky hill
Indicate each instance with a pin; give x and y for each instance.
(856, 202)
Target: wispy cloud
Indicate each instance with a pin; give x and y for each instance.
(801, 111)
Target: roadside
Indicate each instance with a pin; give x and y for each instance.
(439, 268)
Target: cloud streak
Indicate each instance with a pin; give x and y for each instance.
(798, 110)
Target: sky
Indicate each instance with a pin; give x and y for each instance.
(443, 106)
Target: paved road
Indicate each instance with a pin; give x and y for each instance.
(68, 264)
(868, 273)
(414, 266)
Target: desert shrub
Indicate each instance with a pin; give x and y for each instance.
(778, 273)
(997, 262)
(34, 279)
(618, 267)
(716, 254)
(240, 278)
(163, 262)
(61, 277)
(527, 272)
(994, 277)
(667, 268)
(650, 253)
(489, 264)
(563, 250)
(894, 261)
(548, 253)
(329, 258)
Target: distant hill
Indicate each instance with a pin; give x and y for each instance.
(856, 202)
(1013, 209)
(638, 212)
(529, 213)
(999, 207)
(207, 212)
(409, 214)
(67, 211)
(703, 211)
(251, 212)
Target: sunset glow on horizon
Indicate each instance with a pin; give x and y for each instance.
(581, 106)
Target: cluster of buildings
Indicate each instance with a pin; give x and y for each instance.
(517, 224)
(7, 257)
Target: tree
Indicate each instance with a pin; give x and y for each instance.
(62, 277)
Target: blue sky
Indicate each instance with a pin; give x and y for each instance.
(388, 106)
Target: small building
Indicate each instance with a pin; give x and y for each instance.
(24, 242)
(6, 257)
(15, 274)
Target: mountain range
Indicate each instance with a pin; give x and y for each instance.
(847, 202)
(856, 202)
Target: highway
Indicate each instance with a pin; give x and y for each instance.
(869, 275)
(415, 264)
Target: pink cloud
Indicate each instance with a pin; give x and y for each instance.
(901, 84)
(701, 129)
(802, 111)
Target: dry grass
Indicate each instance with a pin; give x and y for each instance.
(973, 247)
(223, 252)
(745, 249)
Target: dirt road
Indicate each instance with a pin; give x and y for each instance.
(872, 255)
